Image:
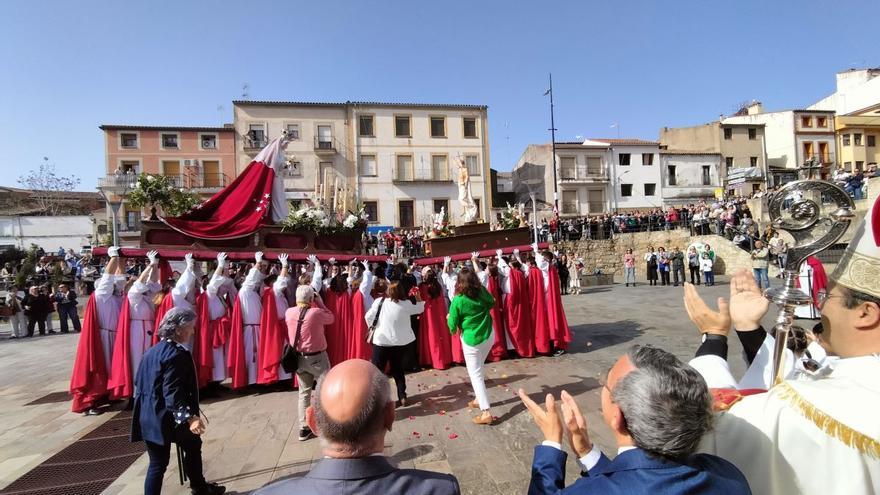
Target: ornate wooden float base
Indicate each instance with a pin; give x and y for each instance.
(476, 238)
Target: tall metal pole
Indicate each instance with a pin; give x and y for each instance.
(553, 147)
(534, 215)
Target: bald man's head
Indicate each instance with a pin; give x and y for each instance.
(351, 402)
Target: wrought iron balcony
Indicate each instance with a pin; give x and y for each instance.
(582, 173)
(206, 181)
(255, 143)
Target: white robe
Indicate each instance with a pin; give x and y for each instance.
(220, 289)
(805, 277)
(281, 305)
(251, 309)
(142, 313)
(779, 440)
(108, 306)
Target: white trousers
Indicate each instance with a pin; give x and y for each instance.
(19, 324)
(474, 357)
(251, 344)
(219, 372)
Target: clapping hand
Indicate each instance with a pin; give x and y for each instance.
(747, 303)
(547, 420)
(576, 426)
(153, 256)
(258, 256)
(706, 320)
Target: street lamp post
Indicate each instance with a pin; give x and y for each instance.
(553, 151)
(114, 186)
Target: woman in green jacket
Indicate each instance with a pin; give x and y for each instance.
(469, 314)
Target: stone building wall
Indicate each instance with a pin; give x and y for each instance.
(607, 255)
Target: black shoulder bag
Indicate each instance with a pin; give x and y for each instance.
(375, 321)
(290, 356)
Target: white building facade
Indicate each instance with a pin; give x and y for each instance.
(47, 232)
(689, 176)
(792, 138)
(399, 160)
(635, 169)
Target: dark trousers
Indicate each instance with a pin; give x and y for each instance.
(664, 277)
(678, 275)
(40, 321)
(66, 311)
(159, 455)
(695, 274)
(563, 283)
(392, 354)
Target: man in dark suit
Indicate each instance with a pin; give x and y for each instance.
(351, 412)
(658, 409)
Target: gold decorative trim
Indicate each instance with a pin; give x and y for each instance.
(832, 427)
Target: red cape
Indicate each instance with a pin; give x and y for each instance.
(435, 343)
(361, 349)
(341, 330)
(272, 336)
(237, 210)
(204, 341)
(88, 381)
(499, 347)
(236, 362)
(820, 279)
(540, 323)
(560, 334)
(121, 382)
(517, 310)
(162, 308)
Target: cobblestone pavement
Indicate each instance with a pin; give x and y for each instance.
(251, 438)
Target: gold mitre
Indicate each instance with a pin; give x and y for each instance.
(859, 268)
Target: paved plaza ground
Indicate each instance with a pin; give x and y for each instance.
(251, 438)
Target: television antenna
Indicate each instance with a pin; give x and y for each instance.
(245, 91)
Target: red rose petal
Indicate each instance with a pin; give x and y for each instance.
(453, 436)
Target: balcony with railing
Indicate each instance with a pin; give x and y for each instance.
(570, 208)
(325, 144)
(206, 180)
(255, 142)
(582, 173)
(404, 173)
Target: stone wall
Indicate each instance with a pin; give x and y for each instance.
(607, 255)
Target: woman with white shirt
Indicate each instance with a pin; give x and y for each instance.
(393, 332)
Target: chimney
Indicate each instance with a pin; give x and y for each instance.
(755, 108)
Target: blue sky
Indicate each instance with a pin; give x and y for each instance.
(66, 67)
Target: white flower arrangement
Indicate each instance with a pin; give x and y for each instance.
(319, 217)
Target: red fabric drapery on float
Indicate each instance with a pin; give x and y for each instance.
(273, 334)
(517, 310)
(435, 344)
(361, 348)
(499, 346)
(342, 329)
(88, 381)
(560, 334)
(121, 382)
(240, 208)
(538, 309)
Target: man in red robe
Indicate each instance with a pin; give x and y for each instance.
(538, 307)
(560, 334)
(517, 306)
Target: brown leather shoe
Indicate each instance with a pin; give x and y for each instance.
(485, 418)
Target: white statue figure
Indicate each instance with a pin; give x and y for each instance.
(468, 205)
